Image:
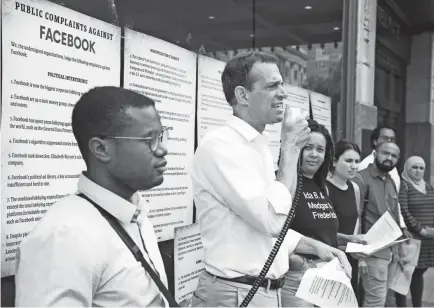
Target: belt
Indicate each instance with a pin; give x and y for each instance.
(271, 284)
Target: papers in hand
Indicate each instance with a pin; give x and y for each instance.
(402, 278)
(381, 235)
(327, 286)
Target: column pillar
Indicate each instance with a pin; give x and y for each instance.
(419, 108)
(365, 112)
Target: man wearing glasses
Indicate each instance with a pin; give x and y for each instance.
(380, 195)
(379, 135)
(73, 257)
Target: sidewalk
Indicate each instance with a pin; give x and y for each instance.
(428, 288)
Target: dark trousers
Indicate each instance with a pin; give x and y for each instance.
(416, 289)
(355, 282)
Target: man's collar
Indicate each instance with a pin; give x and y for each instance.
(373, 170)
(123, 210)
(244, 128)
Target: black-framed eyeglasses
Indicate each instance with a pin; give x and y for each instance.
(388, 139)
(154, 141)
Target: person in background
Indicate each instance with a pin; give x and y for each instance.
(379, 135)
(73, 257)
(241, 204)
(314, 216)
(380, 196)
(386, 134)
(417, 204)
(345, 197)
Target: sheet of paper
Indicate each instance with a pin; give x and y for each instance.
(402, 278)
(321, 109)
(381, 235)
(327, 286)
(167, 74)
(188, 255)
(51, 55)
(369, 249)
(212, 108)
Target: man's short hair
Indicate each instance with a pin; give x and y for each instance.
(376, 133)
(381, 144)
(101, 112)
(236, 72)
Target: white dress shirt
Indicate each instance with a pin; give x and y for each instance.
(393, 174)
(241, 207)
(73, 257)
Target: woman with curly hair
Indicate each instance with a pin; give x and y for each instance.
(315, 216)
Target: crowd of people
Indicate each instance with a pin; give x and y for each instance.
(98, 248)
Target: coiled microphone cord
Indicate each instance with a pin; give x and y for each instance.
(277, 245)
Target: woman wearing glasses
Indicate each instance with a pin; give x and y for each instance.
(417, 204)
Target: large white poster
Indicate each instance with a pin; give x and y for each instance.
(212, 108)
(167, 74)
(296, 98)
(321, 109)
(51, 55)
(188, 255)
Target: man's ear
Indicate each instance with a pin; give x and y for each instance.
(241, 95)
(100, 148)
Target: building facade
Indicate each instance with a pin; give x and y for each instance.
(399, 56)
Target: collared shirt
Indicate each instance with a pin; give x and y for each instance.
(241, 207)
(73, 257)
(380, 196)
(393, 174)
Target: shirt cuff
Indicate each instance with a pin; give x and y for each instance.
(401, 221)
(292, 239)
(279, 197)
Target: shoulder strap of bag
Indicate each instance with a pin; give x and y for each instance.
(359, 212)
(134, 250)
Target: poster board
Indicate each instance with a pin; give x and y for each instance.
(51, 55)
(212, 108)
(321, 109)
(296, 98)
(188, 255)
(167, 74)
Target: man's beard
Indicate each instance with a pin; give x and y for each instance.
(384, 168)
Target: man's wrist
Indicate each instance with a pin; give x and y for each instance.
(289, 147)
(318, 247)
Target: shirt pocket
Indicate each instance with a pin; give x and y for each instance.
(392, 202)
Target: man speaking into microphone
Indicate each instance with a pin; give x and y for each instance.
(241, 204)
